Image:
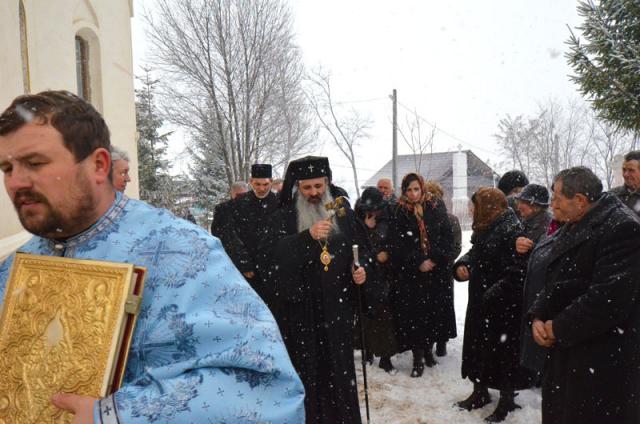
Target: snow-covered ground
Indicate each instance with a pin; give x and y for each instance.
(400, 399)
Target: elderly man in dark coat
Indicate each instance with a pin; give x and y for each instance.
(629, 192)
(588, 315)
(248, 221)
(385, 187)
(308, 247)
(222, 211)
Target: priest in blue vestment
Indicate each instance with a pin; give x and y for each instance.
(205, 348)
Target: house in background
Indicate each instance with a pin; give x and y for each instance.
(83, 46)
(460, 173)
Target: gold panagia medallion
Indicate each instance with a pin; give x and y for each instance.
(325, 258)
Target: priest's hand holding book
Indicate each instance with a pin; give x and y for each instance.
(80, 406)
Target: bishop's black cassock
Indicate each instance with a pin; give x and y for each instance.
(314, 307)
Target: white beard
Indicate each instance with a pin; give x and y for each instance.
(309, 213)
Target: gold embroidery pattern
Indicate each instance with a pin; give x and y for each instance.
(58, 329)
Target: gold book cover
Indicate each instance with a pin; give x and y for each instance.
(66, 326)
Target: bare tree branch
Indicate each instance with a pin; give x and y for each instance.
(346, 129)
(418, 144)
(232, 78)
(558, 138)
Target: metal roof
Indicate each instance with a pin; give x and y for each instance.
(432, 166)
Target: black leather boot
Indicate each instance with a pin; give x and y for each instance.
(369, 357)
(441, 349)
(506, 404)
(429, 360)
(479, 398)
(418, 363)
(385, 364)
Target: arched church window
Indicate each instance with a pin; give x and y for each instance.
(82, 68)
(24, 50)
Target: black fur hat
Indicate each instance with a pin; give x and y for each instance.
(261, 170)
(511, 180)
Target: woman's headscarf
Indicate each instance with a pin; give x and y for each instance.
(488, 204)
(416, 208)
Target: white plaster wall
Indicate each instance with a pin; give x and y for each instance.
(51, 31)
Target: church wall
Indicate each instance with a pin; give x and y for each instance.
(51, 28)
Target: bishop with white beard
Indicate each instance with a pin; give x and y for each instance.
(308, 252)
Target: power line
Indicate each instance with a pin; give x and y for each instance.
(375, 99)
(357, 167)
(450, 135)
(346, 102)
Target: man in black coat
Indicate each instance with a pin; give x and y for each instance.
(309, 250)
(248, 221)
(222, 211)
(588, 315)
(629, 192)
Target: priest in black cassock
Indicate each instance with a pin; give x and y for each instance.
(249, 215)
(314, 283)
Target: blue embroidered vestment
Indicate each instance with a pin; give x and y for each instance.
(206, 349)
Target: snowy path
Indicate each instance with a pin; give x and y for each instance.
(400, 399)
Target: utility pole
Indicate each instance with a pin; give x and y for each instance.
(394, 153)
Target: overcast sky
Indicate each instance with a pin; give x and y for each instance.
(462, 65)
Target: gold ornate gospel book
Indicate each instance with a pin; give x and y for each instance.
(66, 326)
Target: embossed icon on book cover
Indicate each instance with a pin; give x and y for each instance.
(66, 326)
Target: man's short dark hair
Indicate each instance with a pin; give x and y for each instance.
(579, 179)
(83, 129)
(632, 155)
